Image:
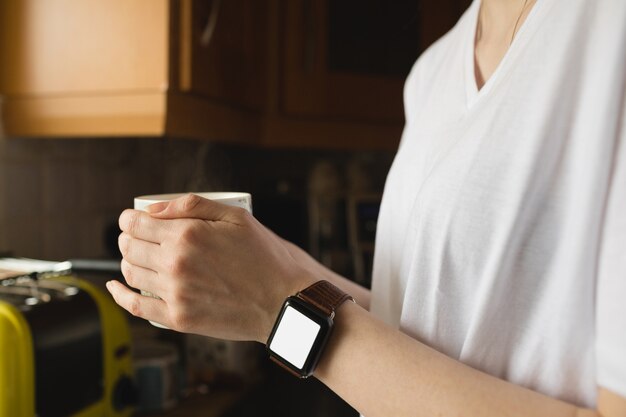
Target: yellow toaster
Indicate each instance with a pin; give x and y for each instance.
(64, 350)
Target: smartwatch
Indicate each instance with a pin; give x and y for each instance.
(303, 327)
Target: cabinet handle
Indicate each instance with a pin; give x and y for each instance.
(209, 29)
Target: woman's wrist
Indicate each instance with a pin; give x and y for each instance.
(304, 326)
(299, 279)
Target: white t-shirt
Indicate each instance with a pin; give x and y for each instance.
(502, 233)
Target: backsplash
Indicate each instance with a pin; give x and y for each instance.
(61, 198)
(58, 196)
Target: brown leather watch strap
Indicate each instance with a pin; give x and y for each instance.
(285, 367)
(325, 296)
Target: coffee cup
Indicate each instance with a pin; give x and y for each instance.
(235, 199)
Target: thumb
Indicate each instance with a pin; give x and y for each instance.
(188, 206)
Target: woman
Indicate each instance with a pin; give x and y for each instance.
(499, 281)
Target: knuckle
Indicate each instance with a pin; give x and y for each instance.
(123, 242)
(176, 297)
(189, 202)
(177, 266)
(187, 234)
(125, 267)
(179, 296)
(129, 220)
(133, 222)
(180, 319)
(241, 214)
(134, 307)
(128, 273)
(122, 220)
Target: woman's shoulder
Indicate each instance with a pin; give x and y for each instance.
(451, 44)
(442, 60)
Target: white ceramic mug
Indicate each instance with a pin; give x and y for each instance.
(236, 199)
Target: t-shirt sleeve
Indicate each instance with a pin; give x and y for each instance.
(611, 290)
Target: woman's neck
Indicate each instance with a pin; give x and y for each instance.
(498, 23)
(498, 16)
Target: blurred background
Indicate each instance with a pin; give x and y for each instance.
(298, 102)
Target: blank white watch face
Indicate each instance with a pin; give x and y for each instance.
(294, 337)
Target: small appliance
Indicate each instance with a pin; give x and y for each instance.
(64, 350)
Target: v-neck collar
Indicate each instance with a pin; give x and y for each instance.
(473, 94)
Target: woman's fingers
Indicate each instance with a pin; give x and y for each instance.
(142, 278)
(138, 305)
(140, 252)
(218, 271)
(143, 226)
(196, 207)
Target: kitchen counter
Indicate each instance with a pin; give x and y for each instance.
(213, 404)
(278, 395)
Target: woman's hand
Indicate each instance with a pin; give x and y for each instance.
(218, 271)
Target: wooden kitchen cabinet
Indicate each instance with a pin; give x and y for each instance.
(351, 57)
(83, 68)
(265, 75)
(344, 63)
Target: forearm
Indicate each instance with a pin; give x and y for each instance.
(383, 372)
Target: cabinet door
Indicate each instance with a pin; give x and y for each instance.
(348, 59)
(83, 46)
(83, 67)
(223, 50)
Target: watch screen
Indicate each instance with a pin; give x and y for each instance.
(294, 337)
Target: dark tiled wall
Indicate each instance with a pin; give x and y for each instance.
(60, 199)
(58, 196)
